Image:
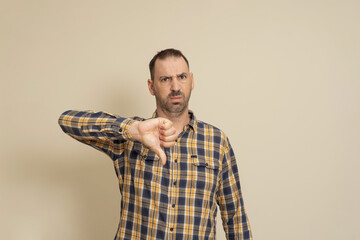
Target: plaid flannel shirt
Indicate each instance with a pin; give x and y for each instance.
(175, 201)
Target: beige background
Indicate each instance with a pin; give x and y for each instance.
(281, 78)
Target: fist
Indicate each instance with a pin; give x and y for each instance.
(154, 133)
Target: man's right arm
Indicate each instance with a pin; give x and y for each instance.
(100, 130)
(97, 129)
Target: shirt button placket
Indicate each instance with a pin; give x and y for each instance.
(174, 174)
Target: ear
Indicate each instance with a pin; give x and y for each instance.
(151, 86)
(192, 81)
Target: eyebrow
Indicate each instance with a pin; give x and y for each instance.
(178, 75)
(184, 73)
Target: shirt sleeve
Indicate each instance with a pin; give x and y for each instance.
(98, 129)
(235, 221)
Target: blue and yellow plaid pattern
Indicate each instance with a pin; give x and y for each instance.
(175, 201)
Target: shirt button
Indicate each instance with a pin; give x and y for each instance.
(173, 205)
(175, 160)
(175, 183)
(171, 229)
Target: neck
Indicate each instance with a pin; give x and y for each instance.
(179, 120)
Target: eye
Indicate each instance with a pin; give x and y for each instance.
(164, 79)
(182, 76)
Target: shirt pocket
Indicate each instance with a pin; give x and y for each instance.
(150, 166)
(145, 166)
(205, 175)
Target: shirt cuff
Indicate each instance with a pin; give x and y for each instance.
(123, 129)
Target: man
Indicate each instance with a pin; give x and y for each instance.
(173, 169)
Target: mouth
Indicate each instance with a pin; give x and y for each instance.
(176, 98)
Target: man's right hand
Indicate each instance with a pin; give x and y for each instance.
(154, 133)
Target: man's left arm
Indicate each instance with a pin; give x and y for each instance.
(235, 222)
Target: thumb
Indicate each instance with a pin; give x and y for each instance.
(160, 152)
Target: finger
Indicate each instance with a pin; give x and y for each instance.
(168, 138)
(161, 154)
(168, 132)
(167, 144)
(165, 123)
(162, 158)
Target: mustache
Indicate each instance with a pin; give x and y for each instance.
(175, 94)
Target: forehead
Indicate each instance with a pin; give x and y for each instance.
(170, 66)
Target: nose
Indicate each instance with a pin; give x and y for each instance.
(175, 86)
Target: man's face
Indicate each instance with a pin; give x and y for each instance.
(172, 85)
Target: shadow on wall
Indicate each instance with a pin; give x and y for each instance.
(67, 190)
(54, 198)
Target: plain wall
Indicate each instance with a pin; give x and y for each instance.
(280, 78)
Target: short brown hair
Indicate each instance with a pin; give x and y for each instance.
(170, 52)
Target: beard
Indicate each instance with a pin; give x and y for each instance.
(173, 108)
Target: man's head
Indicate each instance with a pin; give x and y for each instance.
(170, 52)
(171, 82)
